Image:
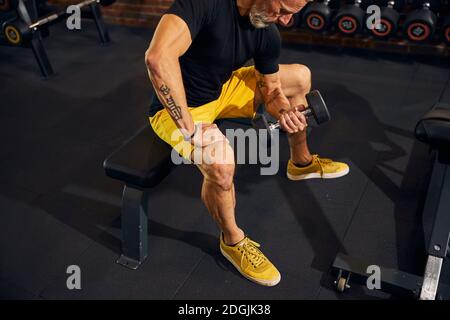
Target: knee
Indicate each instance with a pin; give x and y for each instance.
(303, 77)
(222, 176)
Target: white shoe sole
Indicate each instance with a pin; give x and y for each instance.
(268, 283)
(317, 175)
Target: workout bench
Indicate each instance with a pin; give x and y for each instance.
(141, 163)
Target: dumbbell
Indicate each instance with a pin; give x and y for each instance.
(350, 18)
(316, 108)
(446, 29)
(389, 17)
(420, 24)
(317, 15)
(293, 23)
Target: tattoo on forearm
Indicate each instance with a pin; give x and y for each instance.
(164, 89)
(174, 110)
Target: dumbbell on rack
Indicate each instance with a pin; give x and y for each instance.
(317, 15)
(446, 29)
(388, 22)
(293, 23)
(350, 18)
(420, 24)
(316, 109)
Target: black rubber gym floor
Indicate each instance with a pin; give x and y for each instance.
(57, 208)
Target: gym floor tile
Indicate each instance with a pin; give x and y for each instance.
(115, 128)
(89, 217)
(45, 162)
(17, 193)
(10, 291)
(445, 95)
(215, 278)
(384, 239)
(168, 264)
(35, 246)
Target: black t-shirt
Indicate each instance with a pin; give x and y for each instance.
(222, 41)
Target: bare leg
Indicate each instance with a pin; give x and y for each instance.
(218, 195)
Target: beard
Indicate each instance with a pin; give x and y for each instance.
(258, 18)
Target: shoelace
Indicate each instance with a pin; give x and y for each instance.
(251, 252)
(322, 162)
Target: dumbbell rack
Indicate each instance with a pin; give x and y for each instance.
(364, 39)
(300, 36)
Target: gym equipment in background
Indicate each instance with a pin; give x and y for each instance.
(317, 15)
(22, 26)
(420, 24)
(349, 20)
(446, 29)
(293, 23)
(434, 130)
(388, 23)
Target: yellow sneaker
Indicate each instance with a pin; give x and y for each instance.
(319, 168)
(251, 262)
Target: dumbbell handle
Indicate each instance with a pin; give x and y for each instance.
(307, 113)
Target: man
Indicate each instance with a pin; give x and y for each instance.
(195, 63)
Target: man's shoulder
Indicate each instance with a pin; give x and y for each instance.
(272, 31)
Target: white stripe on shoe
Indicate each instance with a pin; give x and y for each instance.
(315, 175)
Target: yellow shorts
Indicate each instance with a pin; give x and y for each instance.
(235, 101)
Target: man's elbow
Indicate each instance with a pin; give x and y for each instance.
(151, 60)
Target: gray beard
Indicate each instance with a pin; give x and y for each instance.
(258, 20)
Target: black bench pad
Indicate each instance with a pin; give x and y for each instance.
(142, 162)
(434, 127)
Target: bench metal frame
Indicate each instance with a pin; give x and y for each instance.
(134, 226)
(393, 281)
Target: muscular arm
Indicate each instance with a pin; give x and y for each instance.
(270, 87)
(171, 40)
(277, 104)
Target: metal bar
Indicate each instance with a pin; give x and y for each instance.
(439, 240)
(60, 14)
(392, 281)
(101, 28)
(431, 278)
(134, 227)
(41, 57)
(23, 12)
(33, 11)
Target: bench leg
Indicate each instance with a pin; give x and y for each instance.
(134, 227)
